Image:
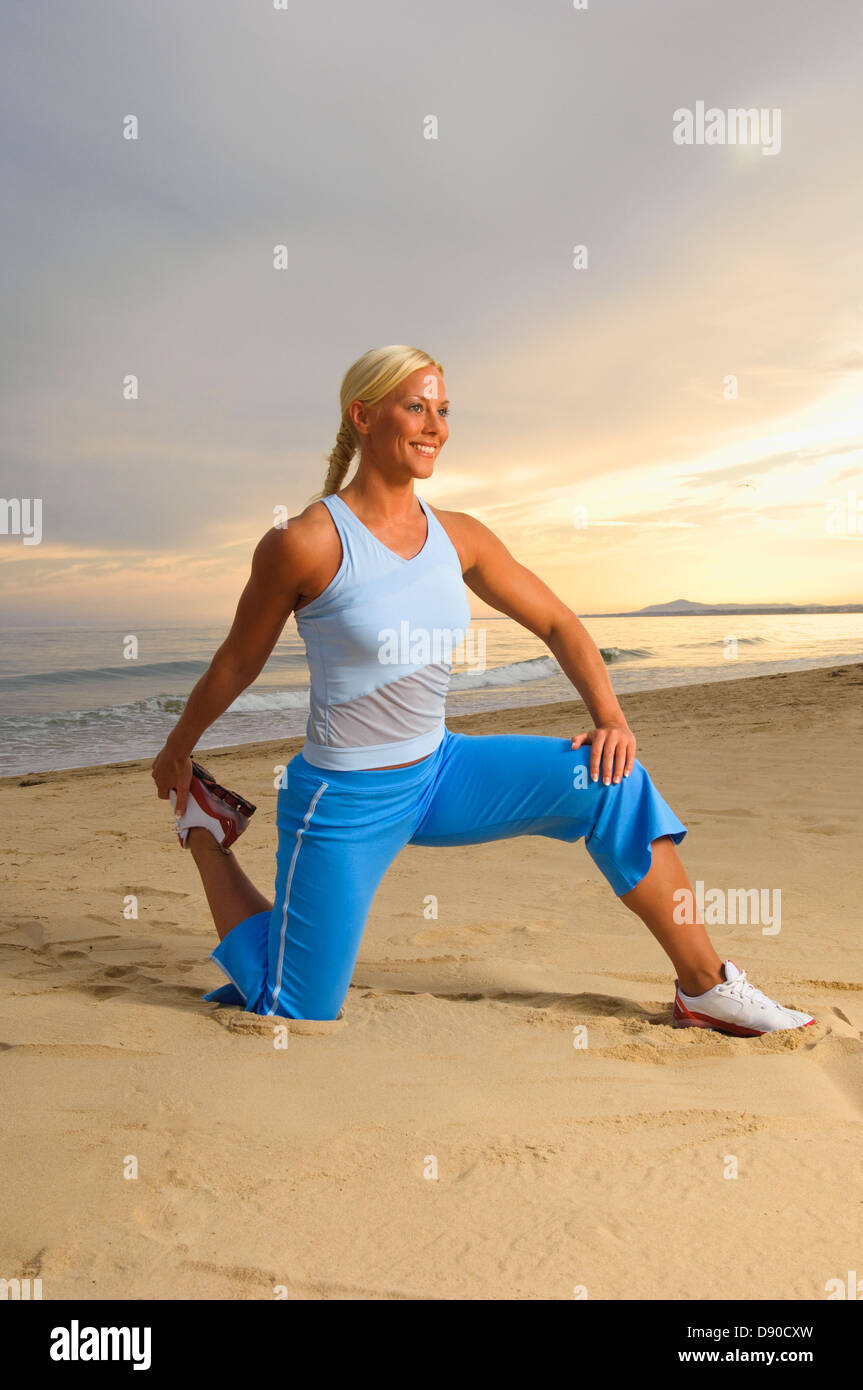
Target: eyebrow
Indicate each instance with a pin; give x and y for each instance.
(417, 397)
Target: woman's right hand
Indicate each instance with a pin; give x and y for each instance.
(172, 771)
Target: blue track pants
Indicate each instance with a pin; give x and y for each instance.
(338, 832)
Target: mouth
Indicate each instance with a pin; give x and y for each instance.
(427, 451)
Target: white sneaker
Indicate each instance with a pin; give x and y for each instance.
(224, 813)
(735, 1007)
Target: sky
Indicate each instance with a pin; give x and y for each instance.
(680, 417)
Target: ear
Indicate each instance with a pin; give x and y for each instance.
(362, 416)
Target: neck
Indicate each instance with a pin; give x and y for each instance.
(381, 498)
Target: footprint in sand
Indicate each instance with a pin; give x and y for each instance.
(31, 929)
(632, 1031)
(262, 1025)
(148, 891)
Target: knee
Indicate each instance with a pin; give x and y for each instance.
(582, 779)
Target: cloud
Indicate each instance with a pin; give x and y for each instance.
(601, 388)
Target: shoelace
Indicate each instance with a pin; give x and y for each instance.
(741, 989)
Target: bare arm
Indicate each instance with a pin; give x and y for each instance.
(495, 576)
(287, 564)
(265, 605)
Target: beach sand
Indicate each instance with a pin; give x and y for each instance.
(558, 1167)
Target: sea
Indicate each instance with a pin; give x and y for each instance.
(82, 696)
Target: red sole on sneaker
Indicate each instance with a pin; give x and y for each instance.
(232, 825)
(714, 1026)
(237, 803)
(681, 1017)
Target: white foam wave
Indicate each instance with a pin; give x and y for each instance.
(270, 702)
(515, 673)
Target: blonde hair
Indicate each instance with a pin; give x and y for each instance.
(369, 379)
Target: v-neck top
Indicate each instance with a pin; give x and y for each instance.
(379, 642)
(406, 559)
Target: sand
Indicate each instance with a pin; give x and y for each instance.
(445, 1139)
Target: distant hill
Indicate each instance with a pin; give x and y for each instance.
(686, 607)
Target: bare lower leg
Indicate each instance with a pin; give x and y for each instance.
(687, 945)
(231, 895)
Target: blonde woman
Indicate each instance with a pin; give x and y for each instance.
(380, 769)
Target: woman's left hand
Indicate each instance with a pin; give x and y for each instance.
(613, 745)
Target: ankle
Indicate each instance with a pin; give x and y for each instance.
(698, 981)
(201, 841)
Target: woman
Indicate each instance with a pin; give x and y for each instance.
(379, 768)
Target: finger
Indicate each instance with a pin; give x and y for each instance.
(580, 739)
(596, 754)
(608, 758)
(620, 754)
(182, 799)
(630, 758)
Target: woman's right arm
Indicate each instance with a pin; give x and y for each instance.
(280, 573)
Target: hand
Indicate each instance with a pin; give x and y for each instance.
(172, 771)
(614, 746)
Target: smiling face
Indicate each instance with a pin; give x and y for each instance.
(404, 433)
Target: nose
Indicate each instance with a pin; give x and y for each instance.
(432, 423)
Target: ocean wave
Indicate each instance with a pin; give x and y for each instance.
(187, 669)
(274, 700)
(250, 702)
(75, 676)
(721, 641)
(247, 703)
(610, 654)
(536, 669)
(154, 708)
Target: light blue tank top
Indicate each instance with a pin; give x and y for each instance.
(380, 642)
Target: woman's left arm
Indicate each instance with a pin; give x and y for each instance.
(498, 579)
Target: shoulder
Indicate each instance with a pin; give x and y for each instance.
(300, 545)
(471, 538)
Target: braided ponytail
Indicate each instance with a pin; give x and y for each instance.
(340, 457)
